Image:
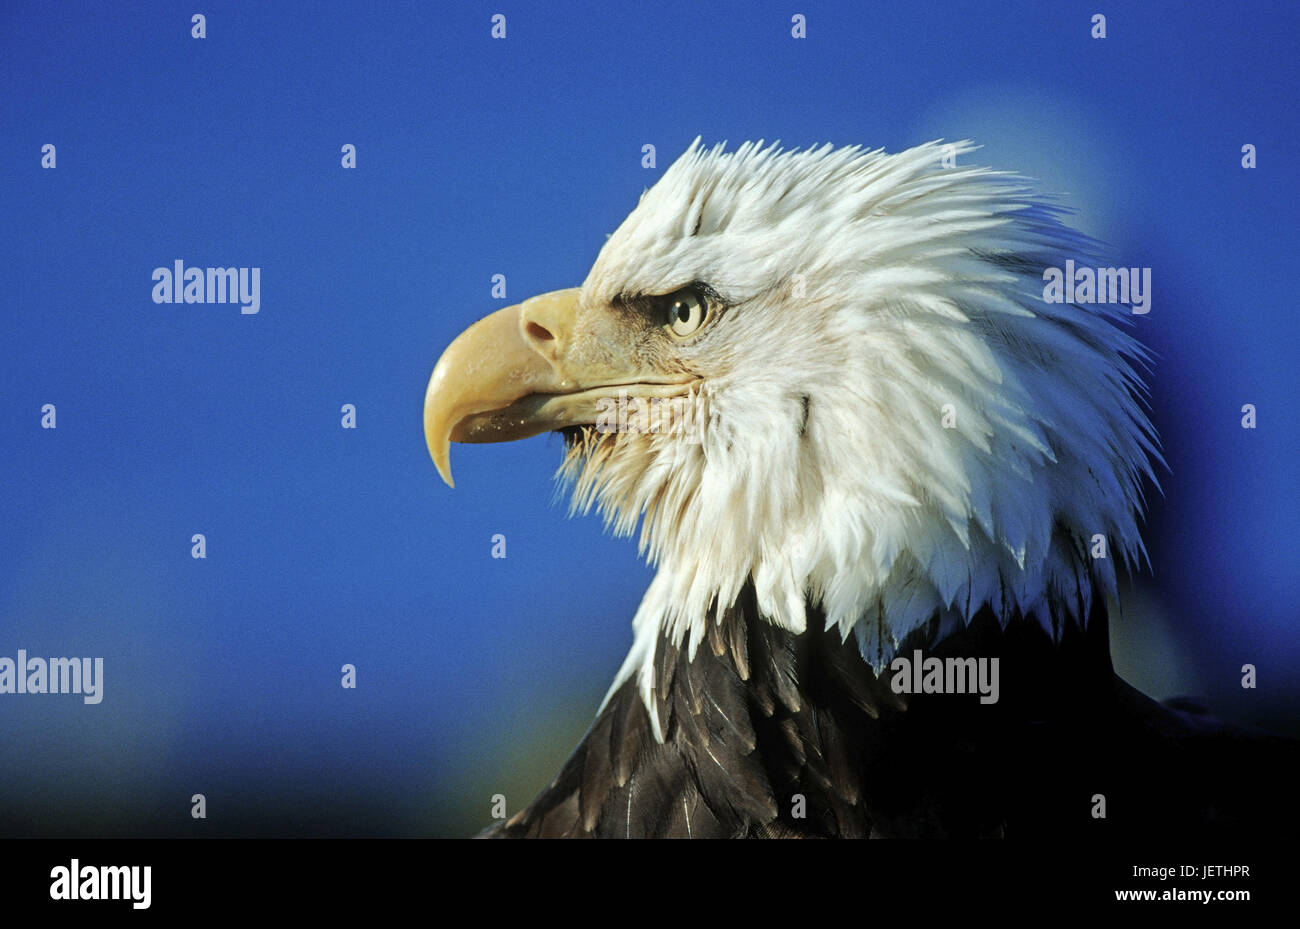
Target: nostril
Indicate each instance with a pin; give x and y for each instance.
(539, 333)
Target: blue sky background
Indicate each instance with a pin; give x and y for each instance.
(517, 156)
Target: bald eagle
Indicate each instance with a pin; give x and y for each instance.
(875, 443)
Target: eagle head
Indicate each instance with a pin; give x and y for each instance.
(831, 374)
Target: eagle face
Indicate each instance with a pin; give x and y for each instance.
(874, 411)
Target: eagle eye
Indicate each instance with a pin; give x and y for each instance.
(686, 312)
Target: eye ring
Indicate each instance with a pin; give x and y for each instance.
(685, 313)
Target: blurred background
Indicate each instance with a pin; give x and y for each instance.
(517, 156)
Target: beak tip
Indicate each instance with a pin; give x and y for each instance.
(442, 461)
(437, 432)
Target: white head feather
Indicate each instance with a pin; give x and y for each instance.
(921, 296)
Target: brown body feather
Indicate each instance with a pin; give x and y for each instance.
(762, 717)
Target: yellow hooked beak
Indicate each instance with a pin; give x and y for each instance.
(526, 370)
